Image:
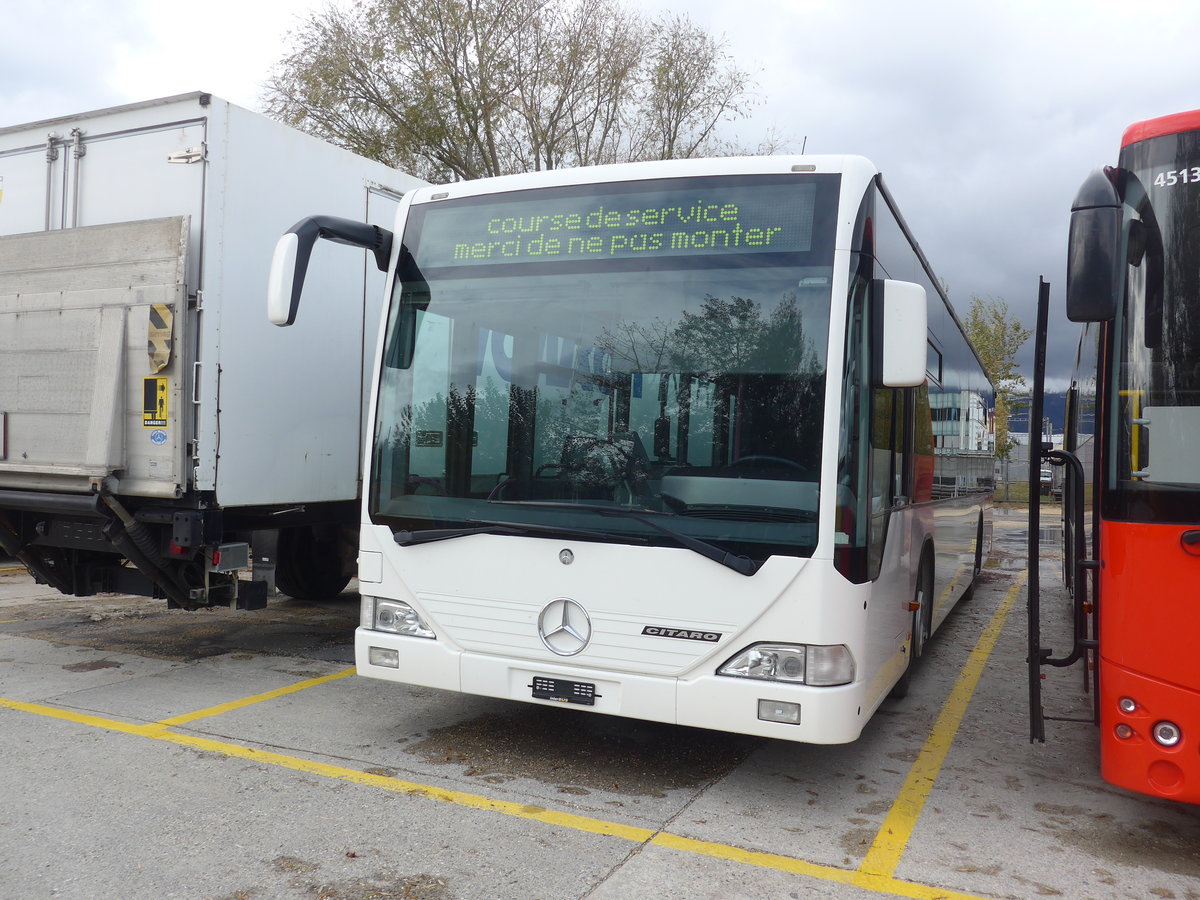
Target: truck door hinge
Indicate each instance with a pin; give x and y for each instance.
(189, 155)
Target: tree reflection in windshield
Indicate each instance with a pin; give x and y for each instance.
(724, 383)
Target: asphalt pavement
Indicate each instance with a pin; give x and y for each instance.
(154, 753)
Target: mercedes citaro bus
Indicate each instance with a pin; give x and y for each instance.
(698, 442)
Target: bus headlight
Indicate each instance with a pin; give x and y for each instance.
(828, 666)
(811, 664)
(394, 617)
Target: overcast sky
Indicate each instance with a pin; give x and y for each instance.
(983, 116)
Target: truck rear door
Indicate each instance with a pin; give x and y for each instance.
(93, 362)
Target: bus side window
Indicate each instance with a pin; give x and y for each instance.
(922, 462)
(887, 467)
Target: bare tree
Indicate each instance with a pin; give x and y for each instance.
(451, 89)
(691, 88)
(997, 335)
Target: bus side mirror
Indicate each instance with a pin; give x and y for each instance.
(286, 280)
(904, 322)
(1095, 271)
(289, 264)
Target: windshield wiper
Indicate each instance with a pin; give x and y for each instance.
(743, 565)
(482, 526)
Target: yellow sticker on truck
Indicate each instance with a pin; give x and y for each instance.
(154, 402)
(159, 342)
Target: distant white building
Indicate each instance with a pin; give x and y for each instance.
(964, 441)
(961, 422)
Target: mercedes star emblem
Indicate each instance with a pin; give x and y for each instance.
(564, 627)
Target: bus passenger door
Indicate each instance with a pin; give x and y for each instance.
(891, 566)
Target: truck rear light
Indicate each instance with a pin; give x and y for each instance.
(229, 558)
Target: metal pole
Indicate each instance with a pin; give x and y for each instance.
(1037, 720)
(51, 156)
(78, 151)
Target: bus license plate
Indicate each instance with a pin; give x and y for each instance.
(564, 691)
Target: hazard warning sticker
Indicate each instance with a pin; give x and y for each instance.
(154, 402)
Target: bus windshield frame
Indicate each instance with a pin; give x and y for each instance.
(668, 359)
(1152, 473)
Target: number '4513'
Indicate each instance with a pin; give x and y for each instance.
(1177, 176)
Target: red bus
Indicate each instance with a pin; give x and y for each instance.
(1131, 499)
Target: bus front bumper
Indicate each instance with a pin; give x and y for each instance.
(823, 715)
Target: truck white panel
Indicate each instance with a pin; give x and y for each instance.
(258, 415)
(76, 310)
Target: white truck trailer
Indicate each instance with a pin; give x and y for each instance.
(154, 427)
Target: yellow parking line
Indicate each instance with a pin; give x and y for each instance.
(156, 731)
(884, 854)
(867, 881)
(250, 701)
(877, 884)
(876, 874)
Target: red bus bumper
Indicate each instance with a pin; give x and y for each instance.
(1130, 757)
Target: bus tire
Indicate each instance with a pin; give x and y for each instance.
(978, 567)
(309, 563)
(978, 550)
(923, 615)
(922, 622)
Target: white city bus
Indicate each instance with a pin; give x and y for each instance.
(699, 442)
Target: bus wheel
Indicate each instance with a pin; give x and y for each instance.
(923, 615)
(978, 567)
(921, 624)
(978, 549)
(309, 563)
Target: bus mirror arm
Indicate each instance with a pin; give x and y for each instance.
(289, 264)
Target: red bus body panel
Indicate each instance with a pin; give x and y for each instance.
(1164, 125)
(1149, 627)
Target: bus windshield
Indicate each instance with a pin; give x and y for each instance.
(654, 346)
(1154, 471)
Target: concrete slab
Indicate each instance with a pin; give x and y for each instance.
(109, 815)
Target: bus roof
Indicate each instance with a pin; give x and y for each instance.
(1163, 125)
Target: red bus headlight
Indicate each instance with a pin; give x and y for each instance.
(1167, 734)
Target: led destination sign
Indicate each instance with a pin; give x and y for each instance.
(550, 226)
